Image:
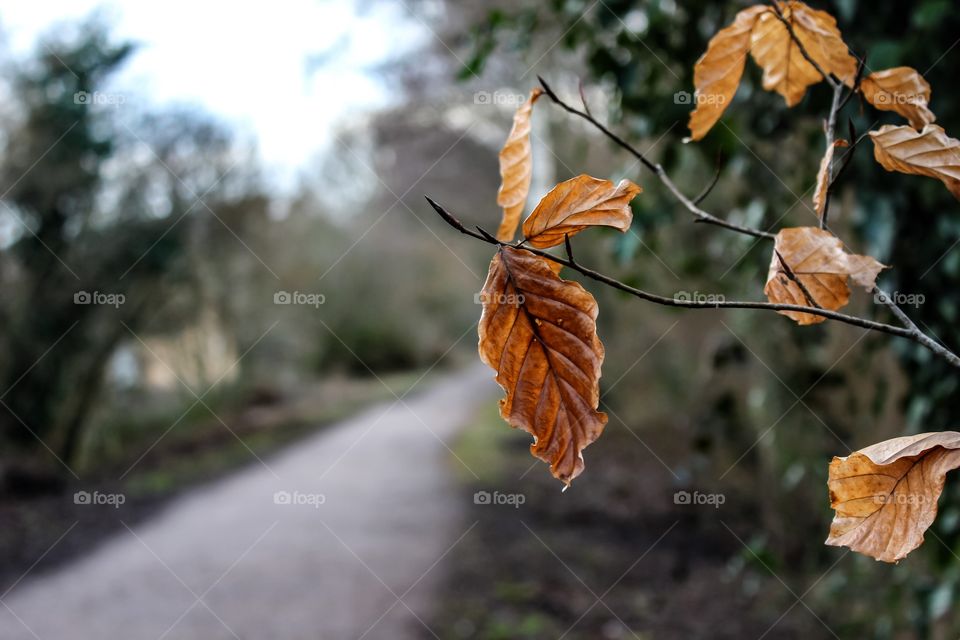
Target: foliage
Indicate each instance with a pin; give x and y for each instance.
(798, 47)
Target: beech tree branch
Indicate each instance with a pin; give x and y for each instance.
(483, 235)
(692, 207)
(830, 134)
(833, 80)
(909, 329)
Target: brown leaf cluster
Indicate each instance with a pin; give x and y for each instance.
(759, 31)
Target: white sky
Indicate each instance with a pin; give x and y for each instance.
(247, 62)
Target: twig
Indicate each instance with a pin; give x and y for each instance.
(833, 80)
(792, 276)
(861, 65)
(909, 329)
(830, 134)
(691, 206)
(481, 234)
(848, 156)
(566, 243)
(583, 114)
(716, 177)
(583, 98)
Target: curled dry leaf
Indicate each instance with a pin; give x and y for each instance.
(785, 70)
(516, 169)
(818, 272)
(576, 204)
(885, 495)
(901, 89)
(824, 177)
(717, 73)
(930, 152)
(539, 333)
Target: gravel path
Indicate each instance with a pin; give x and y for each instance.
(372, 514)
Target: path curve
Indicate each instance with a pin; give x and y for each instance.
(264, 570)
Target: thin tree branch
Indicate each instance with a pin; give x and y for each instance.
(716, 178)
(833, 80)
(566, 244)
(691, 206)
(830, 134)
(481, 234)
(861, 65)
(909, 328)
(792, 276)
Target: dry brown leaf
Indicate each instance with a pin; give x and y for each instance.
(717, 73)
(516, 169)
(824, 177)
(901, 89)
(817, 260)
(885, 495)
(539, 333)
(785, 70)
(576, 204)
(930, 152)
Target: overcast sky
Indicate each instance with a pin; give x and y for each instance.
(281, 70)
